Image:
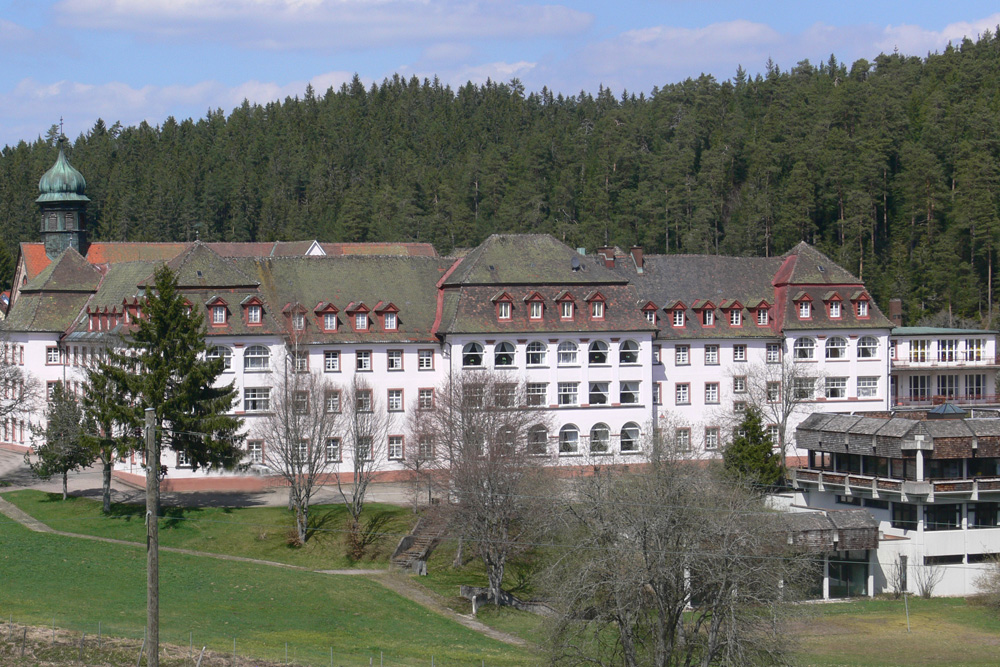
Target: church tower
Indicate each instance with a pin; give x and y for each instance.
(63, 205)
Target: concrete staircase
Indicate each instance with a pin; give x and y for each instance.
(413, 550)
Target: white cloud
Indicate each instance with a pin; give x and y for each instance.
(917, 41)
(32, 106)
(325, 24)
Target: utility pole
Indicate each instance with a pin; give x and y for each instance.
(152, 542)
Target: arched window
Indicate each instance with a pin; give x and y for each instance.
(598, 352)
(569, 439)
(804, 348)
(538, 440)
(836, 348)
(503, 354)
(567, 353)
(628, 353)
(630, 437)
(256, 358)
(221, 352)
(536, 353)
(600, 439)
(867, 347)
(472, 355)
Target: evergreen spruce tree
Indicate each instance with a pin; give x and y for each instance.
(62, 449)
(751, 456)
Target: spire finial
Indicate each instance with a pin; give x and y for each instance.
(61, 134)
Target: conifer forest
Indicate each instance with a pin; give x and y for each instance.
(890, 166)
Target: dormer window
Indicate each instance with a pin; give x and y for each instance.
(329, 321)
(218, 315)
(650, 315)
(597, 310)
(834, 310)
(535, 310)
(361, 321)
(253, 315)
(389, 321)
(735, 317)
(805, 310)
(762, 317)
(566, 310)
(862, 308)
(678, 317)
(708, 317)
(298, 321)
(503, 310)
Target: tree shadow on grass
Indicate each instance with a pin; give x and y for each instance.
(321, 525)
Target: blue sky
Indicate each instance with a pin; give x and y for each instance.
(134, 60)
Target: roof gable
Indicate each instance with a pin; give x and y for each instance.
(202, 267)
(69, 272)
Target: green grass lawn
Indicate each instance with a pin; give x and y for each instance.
(253, 532)
(943, 631)
(80, 583)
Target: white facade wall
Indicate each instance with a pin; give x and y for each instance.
(958, 367)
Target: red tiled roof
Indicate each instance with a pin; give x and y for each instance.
(112, 253)
(35, 259)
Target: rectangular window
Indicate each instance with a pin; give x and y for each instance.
(332, 450)
(365, 448)
(773, 434)
(805, 310)
(947, 385)
(568, 393)
(943, 517)
(947, 350)
(566, 310)
(711, 355)
(739, 352)
(363, 360)
(395, 447)
(256, 399)
(740, 384)
(535, 310)
(183, 460)
(919, 387)
(389, 321)
(708, 317)
(773, 353)
(762, 317)
(52, 356)
(300, 402)
(425, 399)
(974, 349)
(598, 393)
(918, 350)
(597, 310)
(329, 321)
(773, 392)
(904, 516)
(682, 393)
(656, 393)
(50, 390)
(682, 355)
(331, 401)
(394, 360)
(425, 360)
(735, 318)
(835, 388)
(298, 321)
(712, 438)
(804, 388)
(504, 395)
(536, 394)
(739, 407)
(683, 437)
(363, 400)
(218, 314)
(629, 393)
(711, 392)
(331, 361)
(867, 387)
(834, 310)
(975, 385)
(361, 321)
(253, 314)
(425, 447)
(503, 310)
(255, 451)
(678, 316)
(650, 316)
(657, 352)
(301, 361)
(394, 400)
(862, 308)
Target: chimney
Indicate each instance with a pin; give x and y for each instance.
(636, 256)
(896, 312)
(608, 255)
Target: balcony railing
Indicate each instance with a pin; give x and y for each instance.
(832, 480)
(956, 360)
(938, 399)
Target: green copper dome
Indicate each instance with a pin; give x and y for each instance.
(62, 183)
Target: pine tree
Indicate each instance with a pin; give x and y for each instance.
(62, 449)
(751, 456)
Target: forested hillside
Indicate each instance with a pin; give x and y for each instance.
(892, 167)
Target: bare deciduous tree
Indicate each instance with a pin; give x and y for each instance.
(496, 480)
(300, 435)
(669, 565)
(20, 392)
(367, 426)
